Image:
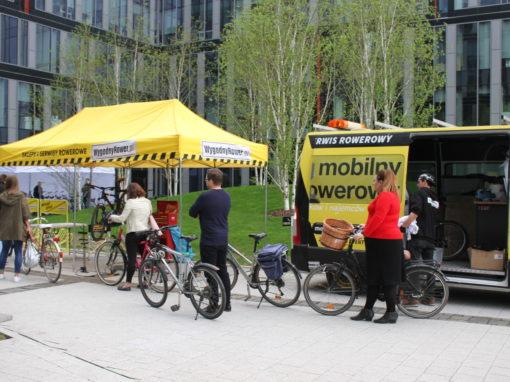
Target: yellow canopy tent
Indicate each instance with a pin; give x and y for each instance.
(156, 134)
(144, 134)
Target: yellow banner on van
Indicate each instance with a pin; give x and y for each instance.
(341, 186)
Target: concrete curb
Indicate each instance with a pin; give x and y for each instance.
(5, 317)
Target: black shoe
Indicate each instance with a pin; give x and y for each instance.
(212, 308)
(228, 308)
(387, 318)
(364, 315)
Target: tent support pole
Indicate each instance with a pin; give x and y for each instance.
(75, 201)
(180, 193)
(265, 200)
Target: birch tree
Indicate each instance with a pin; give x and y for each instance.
(385, 51)
(269, 57)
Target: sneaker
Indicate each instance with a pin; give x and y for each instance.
(409, 301)
(428, 300)
(17, 279)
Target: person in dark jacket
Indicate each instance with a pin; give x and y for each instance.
(212, 208)
(38, 191)
(424, 208)
(384, 248)
(14, 224)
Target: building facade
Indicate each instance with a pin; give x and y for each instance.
(34, 32)
(476, 56)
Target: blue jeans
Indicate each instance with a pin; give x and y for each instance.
(6, 247)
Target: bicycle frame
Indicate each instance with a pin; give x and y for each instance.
(238, 266)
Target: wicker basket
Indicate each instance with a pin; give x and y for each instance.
(335, 233)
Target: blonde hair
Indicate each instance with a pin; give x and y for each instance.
(389, 181)
(12, 184)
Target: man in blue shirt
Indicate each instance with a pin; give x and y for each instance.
(212, 208)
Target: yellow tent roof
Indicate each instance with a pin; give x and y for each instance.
(144, 134)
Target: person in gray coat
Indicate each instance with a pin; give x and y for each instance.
(14, 224)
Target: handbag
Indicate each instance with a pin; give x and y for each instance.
(32, 255)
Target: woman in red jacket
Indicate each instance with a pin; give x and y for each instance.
(383, 243)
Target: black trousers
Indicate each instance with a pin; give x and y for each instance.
(217, 255)
(133, 239)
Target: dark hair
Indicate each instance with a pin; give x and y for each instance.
(11, 183)
(427, 178)
(134, 190)
(215, 175)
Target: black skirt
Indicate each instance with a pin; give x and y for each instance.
(384, 261)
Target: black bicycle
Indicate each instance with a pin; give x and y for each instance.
(99, 221)
(331, 289)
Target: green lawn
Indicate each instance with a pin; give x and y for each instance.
(246, 216)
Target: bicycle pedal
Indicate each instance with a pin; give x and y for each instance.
(175, 308)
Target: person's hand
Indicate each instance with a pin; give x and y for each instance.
(358, 237)
(159, 233)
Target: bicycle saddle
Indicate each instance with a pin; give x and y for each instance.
(189, 238)
(258, 236)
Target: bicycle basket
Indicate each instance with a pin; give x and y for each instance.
(270, 260)
(335, 233)
(32, 255)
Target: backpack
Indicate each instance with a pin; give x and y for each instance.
(270, 260)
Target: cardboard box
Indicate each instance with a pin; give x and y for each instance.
(487, 260)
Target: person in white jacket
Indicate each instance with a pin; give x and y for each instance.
(137, 215)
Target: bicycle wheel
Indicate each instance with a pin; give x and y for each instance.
(111, 263)
(98, 227)
(51, 261)
(329, 289)
(153, 282)
(206, 291)
(282, 292)
(233, 273)
(424, 294)
(454, 239)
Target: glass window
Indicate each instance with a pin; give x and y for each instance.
(172, 18)
(505, 67)
(229, 10)
(211, 78)
(484, 73)
(3, 111)
(64, 8)
(461, 4)
(23, 43)
(141, 17)
(9, 39)
(118, 16)
(93, 12)
(201, 18)
(29, 109)
(40, 4)
(48, 49)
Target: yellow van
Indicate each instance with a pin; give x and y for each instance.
(470, 165)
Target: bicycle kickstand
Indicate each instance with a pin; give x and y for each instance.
(199, 304)
(176, 307)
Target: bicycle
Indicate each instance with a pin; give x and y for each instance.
(198, 282)
(99, 220)
(50, 255)
(453, 237)
(331, 289)
(281, 293)
(111, 259)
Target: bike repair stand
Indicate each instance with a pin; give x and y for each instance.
(84, 241)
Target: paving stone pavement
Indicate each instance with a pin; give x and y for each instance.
(82, 331)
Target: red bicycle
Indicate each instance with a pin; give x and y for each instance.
(111, 258)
